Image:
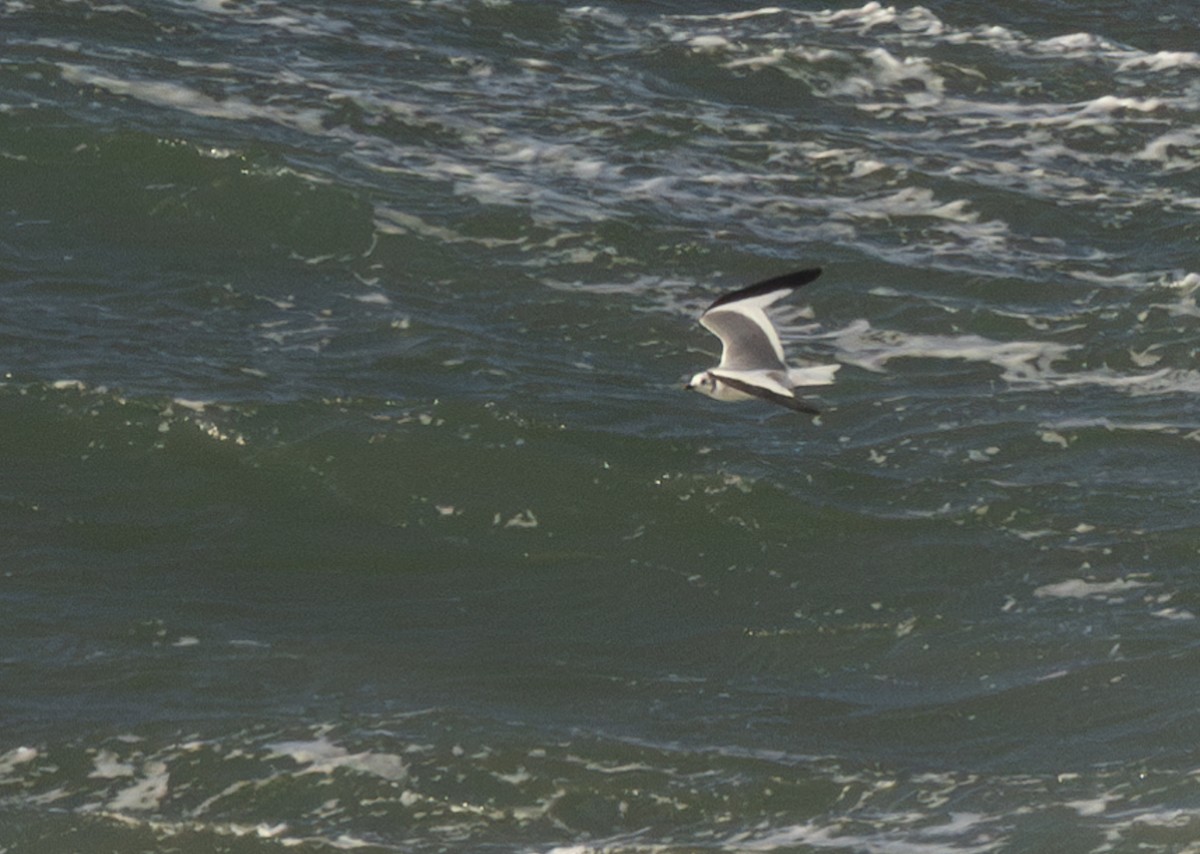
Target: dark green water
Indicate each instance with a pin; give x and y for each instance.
(349, 497)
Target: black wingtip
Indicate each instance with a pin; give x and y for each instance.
(795, 405)
(788, 281)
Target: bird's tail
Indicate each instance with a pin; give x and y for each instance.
(813, 375)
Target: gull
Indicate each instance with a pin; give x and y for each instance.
(752, 362)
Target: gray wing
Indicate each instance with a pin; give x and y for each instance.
(747, 345)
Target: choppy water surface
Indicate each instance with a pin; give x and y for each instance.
(349, 497)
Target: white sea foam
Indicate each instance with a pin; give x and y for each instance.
(1019, 361)
(731, 17)
(193, 405)
(1030, 364)
(709, 43)
(1179, 614)
(1173, 149)
(1163, 60)
(181, 790)
(862, 19)
(1153, 383)
(524, 519)
(147, 793)
(107, 765)
(894, 76)
(1053, 432)
(212, 7)
(16, 757)
(174, 95)
(539, 173)
(894, 833)
(322, 756)
(1079, 588)
(1072, 43)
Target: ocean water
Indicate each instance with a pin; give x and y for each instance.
(350, 499)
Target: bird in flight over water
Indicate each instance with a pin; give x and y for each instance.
(752, 362)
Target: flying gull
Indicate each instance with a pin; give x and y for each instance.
(752, 362)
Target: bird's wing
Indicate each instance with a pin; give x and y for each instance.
(767, 394)
(769, 290)
(739, 319)
(749, 341)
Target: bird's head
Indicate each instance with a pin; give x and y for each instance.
(704, 382)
